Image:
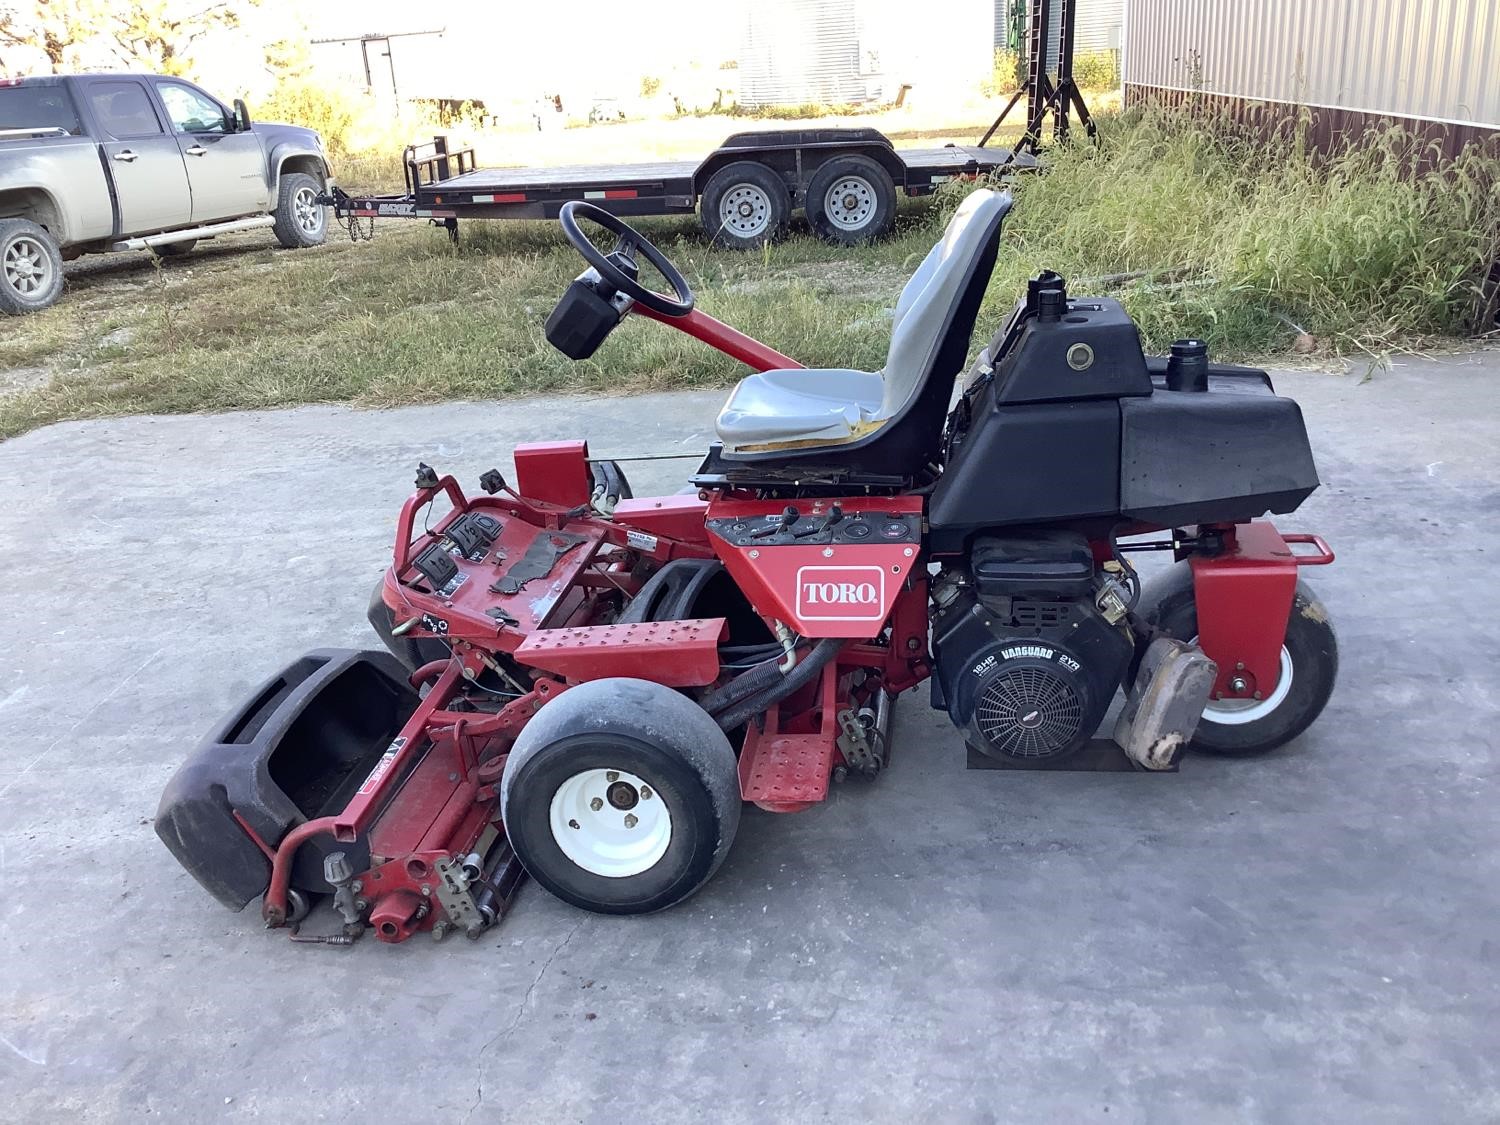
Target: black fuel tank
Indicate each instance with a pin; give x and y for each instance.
(1065, 421)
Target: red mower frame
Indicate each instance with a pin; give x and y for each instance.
(433, 795)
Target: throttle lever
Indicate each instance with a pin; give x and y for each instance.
(835, 514)
(788, 518)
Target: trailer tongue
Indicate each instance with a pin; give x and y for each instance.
(747, 189)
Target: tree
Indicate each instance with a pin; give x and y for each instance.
(54, 27)
(159, 34)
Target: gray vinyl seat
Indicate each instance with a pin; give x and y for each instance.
(798, 408)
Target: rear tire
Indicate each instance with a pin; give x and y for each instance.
(621, 796)
(31, 269)
(300, 222)
(1310, 664)
(851, 200)
(744, 206)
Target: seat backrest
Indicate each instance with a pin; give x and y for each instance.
(925, 313)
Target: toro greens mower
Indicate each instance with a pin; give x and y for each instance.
(584, 686)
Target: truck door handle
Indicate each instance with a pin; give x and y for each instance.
(196, 150)
(125, 156)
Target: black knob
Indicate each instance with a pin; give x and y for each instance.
(1187, 366)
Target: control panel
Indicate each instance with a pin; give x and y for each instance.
(831, 526)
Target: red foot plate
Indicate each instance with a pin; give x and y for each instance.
(786, 772)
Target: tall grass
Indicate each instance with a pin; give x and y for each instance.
(1371, 247)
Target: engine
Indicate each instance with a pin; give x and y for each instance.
(1031, 642)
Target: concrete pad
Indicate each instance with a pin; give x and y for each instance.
(1312, 935)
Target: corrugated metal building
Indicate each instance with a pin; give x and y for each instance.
(830, 52)
(1432, 63)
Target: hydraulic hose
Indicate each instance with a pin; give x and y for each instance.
(811, 666)
(756, 679)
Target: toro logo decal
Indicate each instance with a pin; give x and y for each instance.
(841, 593)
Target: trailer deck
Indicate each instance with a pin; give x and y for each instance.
(445, 185)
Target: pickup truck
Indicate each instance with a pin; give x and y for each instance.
(91, 163)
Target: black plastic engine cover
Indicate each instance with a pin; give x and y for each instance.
(295, 749)
(1232, 453)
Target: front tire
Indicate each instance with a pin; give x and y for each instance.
(300, 220)
(1309, 668)
(621, 796)
(31, 270)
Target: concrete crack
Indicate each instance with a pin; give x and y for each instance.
(505, 1032)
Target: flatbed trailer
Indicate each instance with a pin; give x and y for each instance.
(746, 190)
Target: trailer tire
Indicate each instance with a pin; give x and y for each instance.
(31, 270)
(850, 200)
(621, 796)
(744, 206)
(300, 222)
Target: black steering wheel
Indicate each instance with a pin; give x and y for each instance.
(618, 268)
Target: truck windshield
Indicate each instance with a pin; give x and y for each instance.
(38, 107)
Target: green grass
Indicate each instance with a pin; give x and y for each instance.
(1354, 250)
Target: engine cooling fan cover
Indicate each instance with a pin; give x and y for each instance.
(1032, 706)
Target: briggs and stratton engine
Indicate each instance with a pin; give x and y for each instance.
(1031, 642)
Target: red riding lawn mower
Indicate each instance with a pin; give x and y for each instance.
(583, 686)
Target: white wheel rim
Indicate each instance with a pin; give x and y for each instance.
(610, 823)
(745, 210)
(309, 214)
(850, 203)
(28, 266)
(1237, 712)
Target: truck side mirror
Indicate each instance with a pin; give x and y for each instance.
(241, 116)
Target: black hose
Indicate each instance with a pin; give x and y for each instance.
(810, 666)
(757, 679)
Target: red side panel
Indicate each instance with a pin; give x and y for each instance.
(554, 472)
(1244, 597)
(674, 653)
(823, 589)
(672, 517)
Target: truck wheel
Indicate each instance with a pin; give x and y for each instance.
(174, 249)
(300, 221)
(621, 796)
(1309, 667)
(745, 205)
(850, 200)
(31, 270)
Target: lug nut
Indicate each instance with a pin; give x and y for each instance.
(645, 792)
(630, 820)
(611, 775)
(596, 804)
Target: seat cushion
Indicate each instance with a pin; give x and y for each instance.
(783, 407)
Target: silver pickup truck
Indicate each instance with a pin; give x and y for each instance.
(98, 162)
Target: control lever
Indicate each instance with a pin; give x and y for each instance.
(788, 518)
(835, 514)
